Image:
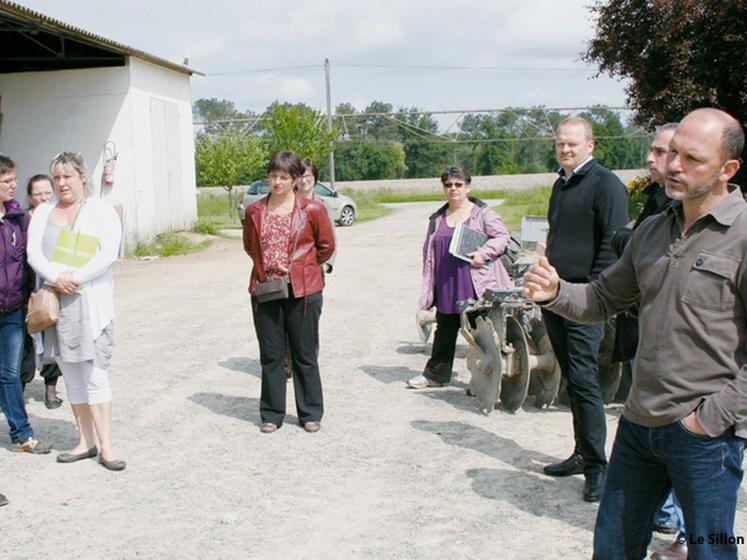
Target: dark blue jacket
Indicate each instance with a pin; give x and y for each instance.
(16, 277)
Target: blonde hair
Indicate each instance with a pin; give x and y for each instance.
(588, 130)
(76, 161)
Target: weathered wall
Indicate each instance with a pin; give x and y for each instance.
(45, 113)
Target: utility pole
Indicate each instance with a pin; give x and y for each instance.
(329, 123)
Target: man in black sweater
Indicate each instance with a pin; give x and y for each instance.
(588, 203)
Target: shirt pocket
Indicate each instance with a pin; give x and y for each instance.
(710, 282)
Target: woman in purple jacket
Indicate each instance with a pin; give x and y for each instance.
(447, 279)
(15, 286)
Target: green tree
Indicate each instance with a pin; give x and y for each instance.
(300, 129)
(379, 127)
(426, 152)
(227, 159)
(493, 152)
(214, 113)
(369, 161)
(678, 55)
(617, 146)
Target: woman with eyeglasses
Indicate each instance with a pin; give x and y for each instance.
(288, 237)
(447, 279)
(16, 283)
(73, 245)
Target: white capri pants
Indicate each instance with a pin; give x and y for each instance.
(85, 383)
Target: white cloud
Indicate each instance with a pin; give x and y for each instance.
(236, 35)
(385, 35)
(287, 88)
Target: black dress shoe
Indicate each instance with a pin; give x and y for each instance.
(675, 551)
(572, 465)
(594, 486)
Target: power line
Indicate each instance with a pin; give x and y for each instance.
(408, 67)
(444, 112)
(377, 141)
(264, 70)
(489, 68)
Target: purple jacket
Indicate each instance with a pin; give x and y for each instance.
(16, 278)
(493, 275)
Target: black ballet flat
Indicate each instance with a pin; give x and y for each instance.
(51, 404)
(114, 465)
(74, 457)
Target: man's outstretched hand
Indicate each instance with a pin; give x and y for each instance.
(541, 281)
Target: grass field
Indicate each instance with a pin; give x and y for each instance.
(213, 212)
(170, 244)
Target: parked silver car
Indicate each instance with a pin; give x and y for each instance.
(342, 209)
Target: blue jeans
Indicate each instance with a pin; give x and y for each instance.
(12, 332)
(645, 464)
(669, 514)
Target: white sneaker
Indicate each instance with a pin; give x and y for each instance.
(32, 445)
(421, 382)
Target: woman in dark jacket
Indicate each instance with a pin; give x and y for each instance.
(288, 237)
(15, 286)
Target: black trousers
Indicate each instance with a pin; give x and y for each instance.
(298, 319)
(441, 363)
(576, 347)
(49, 372)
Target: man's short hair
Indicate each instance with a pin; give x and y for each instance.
(588, 130)
(732, 135)
(665, 127)
(6, 164)
(733, 140)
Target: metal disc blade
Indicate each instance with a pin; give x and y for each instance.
(484, 363)
(516, 381)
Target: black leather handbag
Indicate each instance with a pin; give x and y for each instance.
(271, 290)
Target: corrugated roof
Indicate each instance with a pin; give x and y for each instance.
(48, 24)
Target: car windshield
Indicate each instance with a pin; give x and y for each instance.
(323, 190)
(259, 187)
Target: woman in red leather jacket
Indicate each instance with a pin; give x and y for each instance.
(288, 237)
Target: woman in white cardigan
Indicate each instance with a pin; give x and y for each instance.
(73, 243)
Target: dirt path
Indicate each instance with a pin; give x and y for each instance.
(393, 473)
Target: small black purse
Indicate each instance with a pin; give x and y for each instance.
(271, 290)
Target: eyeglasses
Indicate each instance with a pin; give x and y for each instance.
(455, 184)
(9, 180)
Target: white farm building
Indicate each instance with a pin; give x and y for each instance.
(64, 89)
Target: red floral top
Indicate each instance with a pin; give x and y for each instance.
(274, 240)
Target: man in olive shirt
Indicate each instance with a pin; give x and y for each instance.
(686, 416)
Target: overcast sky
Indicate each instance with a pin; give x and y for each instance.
(246, 36)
